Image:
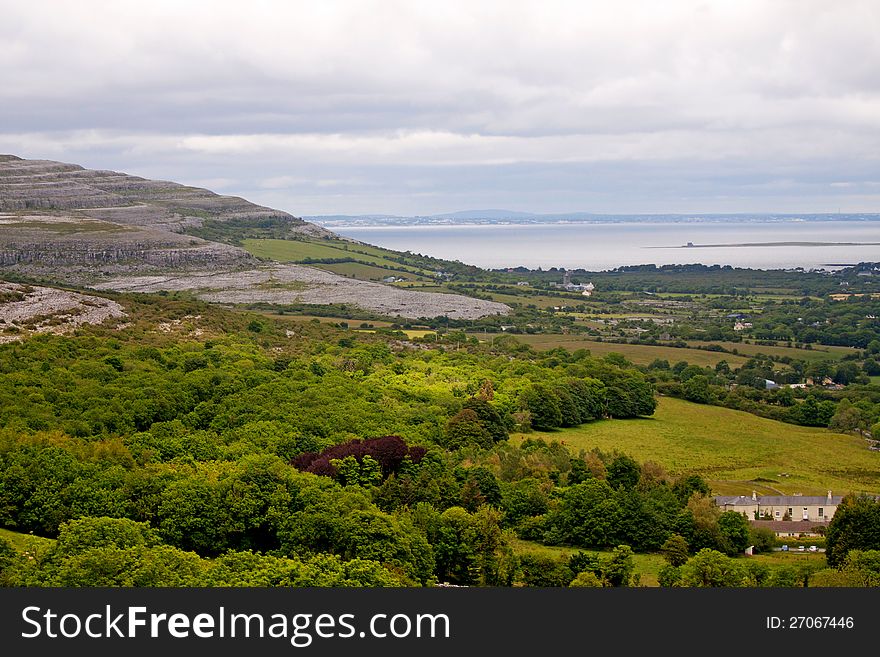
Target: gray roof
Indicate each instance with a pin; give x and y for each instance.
(798, 500)
(735, 500)
(777, 500)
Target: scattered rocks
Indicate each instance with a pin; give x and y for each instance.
(299, 284)
(26, 309)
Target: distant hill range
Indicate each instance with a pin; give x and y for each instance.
(108, 230)
(515, 217)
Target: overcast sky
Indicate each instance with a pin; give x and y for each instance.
(425, 107)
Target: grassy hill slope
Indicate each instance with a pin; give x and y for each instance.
(737, 452)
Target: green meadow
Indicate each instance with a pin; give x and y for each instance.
(26, 542)
(817, 353)
(647, 566)
(303, 250)
(735, 451)
(640, 354)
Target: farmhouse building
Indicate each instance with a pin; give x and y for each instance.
(797, 508)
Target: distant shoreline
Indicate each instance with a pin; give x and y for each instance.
(749, 244)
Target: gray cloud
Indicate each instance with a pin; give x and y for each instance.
(421, 107)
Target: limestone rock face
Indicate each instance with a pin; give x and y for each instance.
(112, 231)
(43, 185)
(64, 218)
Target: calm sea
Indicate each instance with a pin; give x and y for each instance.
(602, 246)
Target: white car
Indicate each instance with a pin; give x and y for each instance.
(801, 548)
(813, 548)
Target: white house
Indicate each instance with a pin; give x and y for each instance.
(809, 508)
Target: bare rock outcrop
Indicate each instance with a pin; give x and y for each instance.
(111, 231)
(287, 284)
(26, 309)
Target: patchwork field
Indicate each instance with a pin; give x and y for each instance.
(735, 451)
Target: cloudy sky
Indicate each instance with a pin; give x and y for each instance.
(424, 107)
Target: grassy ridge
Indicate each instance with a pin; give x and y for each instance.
(732, 449)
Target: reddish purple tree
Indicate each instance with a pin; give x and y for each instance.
(389, 451)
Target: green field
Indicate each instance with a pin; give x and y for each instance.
(538, 300)
(641, 354)
(793, 558)
(732, 449)
(647, 565)
(818, 352)
(301, 250)
(26, 542)
(362, 271)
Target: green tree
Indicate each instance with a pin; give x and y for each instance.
(620, 567)
(464, 429)
(191, 516)
(571, 415)
(855, 526)
(488, 417)
(763, 539)
(586, 579)
(83, 534)
(696, 389)
(710, 568)
(480, 487)
(675, 550)
(846, 418)
(589, 396)
(543, 406)
(630, 396)
(376, 536)
(624, 472)
(140, 566)
(544, 571)
(586, 515)
(735, 532)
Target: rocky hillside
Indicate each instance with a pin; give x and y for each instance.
(26, 309)
(43, 185)
(61, 220)
(109, 230)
